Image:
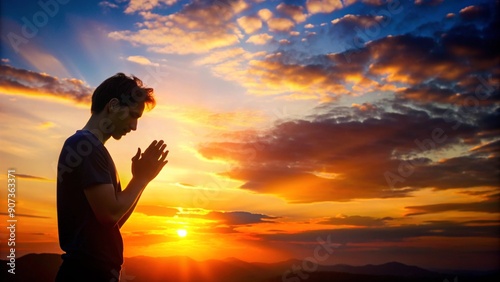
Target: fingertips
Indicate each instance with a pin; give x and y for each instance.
(163, 156)
(153, 144)
(136, 157)
(162, 147)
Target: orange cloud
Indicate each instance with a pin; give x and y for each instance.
(146, 5)
(15, 81)
(323, 6)
(198, 28)
(259, 39)
(474, 12)
(249, 24)
(265, 14)
(280, 24)
(359, 150)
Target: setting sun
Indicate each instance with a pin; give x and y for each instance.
(182, 232)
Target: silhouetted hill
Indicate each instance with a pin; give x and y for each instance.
(43, 268)
(32, 267)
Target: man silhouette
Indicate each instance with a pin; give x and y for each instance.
(91, 205)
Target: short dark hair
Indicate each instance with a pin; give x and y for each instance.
(128, 90)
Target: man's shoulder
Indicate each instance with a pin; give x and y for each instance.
(83, 138)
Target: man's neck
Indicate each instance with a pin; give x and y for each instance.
(95, 125)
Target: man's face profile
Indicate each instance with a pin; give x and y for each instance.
(125, 118)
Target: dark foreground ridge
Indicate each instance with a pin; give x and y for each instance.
(43, 268)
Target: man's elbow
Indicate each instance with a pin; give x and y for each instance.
(108, 219)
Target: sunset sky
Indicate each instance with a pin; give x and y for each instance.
(370, 125)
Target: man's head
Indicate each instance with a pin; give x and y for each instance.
(120, 101)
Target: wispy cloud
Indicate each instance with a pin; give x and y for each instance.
(33, 177)
(141, 60)
(239, 217)
(156, 210)
(489, 205)
(356, 220)
(390, 234)
(24, 215)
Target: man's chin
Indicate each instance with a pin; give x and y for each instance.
(117, 136)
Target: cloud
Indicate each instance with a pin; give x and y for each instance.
(280, 24)
(356, 220)
(146, 5)
(450, 68)
(370, 65)
(199, 27)
(24, 215)
(154, 210)
(141, 60)
(428, 2)
(351, 22)
(491, 149)
(323, 6)
(107, 4)
(260, 39)
(14, 81)
(265, 14)
(249, 24)
(322, 79)
(412, 244)
(391, 234)
(490, 205)
(349, 153)
(222, 56)
(293, 11)
(46, 125)
(234, 218)
(471, 13)
(229, 219)
(32, 177)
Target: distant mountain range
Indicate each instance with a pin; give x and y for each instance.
(43, 268)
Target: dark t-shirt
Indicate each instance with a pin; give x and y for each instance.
(84, 162)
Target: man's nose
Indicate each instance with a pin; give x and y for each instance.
(133, 125)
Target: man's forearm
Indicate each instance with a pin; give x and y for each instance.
(127, 199)
(125, 217)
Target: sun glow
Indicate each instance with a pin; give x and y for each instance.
(182, 233)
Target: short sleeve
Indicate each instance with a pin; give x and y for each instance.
(95, 169)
